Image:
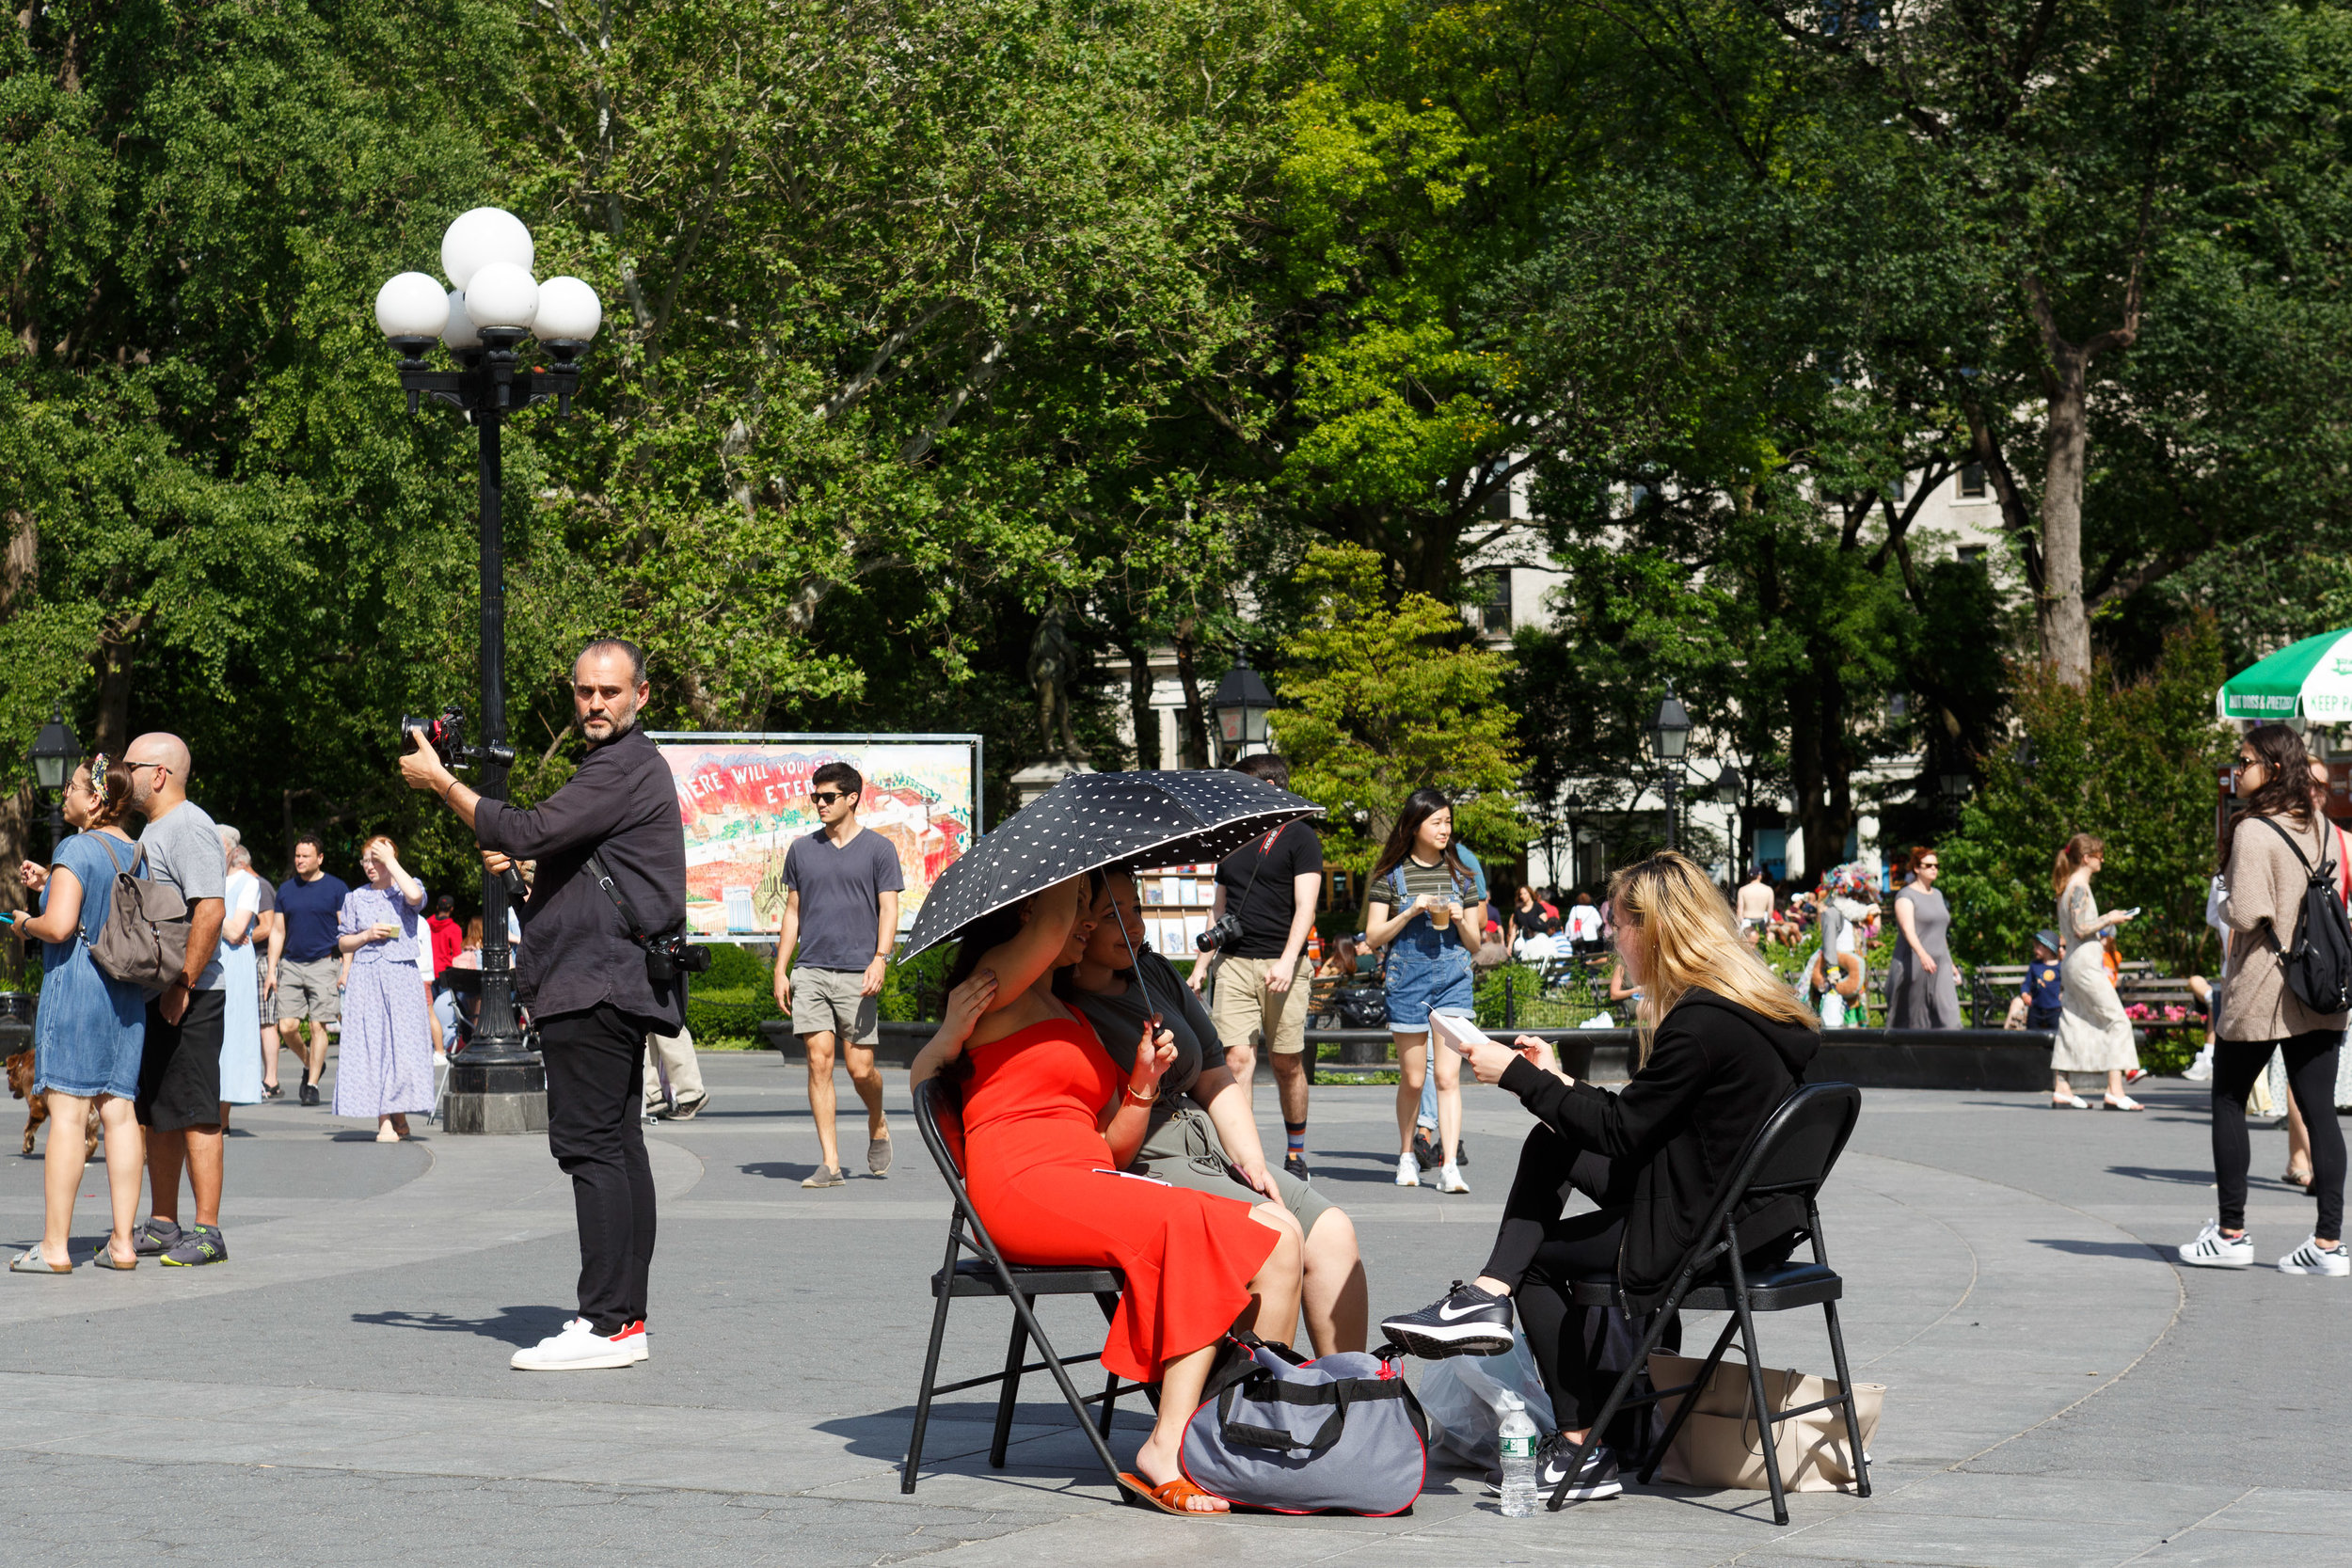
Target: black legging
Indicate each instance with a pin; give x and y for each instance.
(2311, 1076)
(1539, 1255)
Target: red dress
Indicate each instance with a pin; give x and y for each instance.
(1045, 1184)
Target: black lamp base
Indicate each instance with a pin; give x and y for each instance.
(496, 1097)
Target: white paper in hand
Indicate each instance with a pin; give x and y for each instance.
(1457, 1031)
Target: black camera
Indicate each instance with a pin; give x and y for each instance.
(667, 958)
(1226, 931)
(444, 736)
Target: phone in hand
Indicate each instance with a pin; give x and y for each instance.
(2132, 913)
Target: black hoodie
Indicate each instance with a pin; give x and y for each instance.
(1716, 1071)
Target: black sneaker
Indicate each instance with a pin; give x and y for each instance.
(274, 1091)
(155, 1237)
(1466, 1321)
(310, 1094)
(197, 1245)
(1596, 1477)
(1461, 1155)
(1294, 1164)
(1425, 1152)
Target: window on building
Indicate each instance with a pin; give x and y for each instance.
(1896, 491)
(1972, 482)
(1972, 555)
(1494, 604)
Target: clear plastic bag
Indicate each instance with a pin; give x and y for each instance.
(1461, 1396)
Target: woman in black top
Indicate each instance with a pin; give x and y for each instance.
(1723, 1043)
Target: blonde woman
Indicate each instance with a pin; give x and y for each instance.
(1725, 1042)
(384, 1068)
(2093, 1032)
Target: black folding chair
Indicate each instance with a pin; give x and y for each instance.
(986, 1274)
(1789, 1159)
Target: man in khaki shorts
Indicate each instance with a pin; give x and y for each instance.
(1263, 977)
(842, 909)
(310, 965)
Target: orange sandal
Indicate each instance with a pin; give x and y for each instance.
(1172, 1496)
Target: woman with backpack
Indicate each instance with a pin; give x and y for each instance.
(2094, 1033)
(1427, 907)
(1723, 1043)
(2275, 850)
(91, 1027)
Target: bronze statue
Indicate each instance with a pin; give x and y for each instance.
(1052, 663)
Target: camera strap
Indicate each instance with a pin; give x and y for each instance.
(620, 901)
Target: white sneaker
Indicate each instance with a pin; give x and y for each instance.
(2200, 1070)
(2213, 1250)
(580, 1348)
(1407, 1170)
(2308, 1258)
(1450, 1178)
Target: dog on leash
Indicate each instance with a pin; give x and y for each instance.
(37, 1104)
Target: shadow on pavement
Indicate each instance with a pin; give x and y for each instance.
(2150, 1251)
(514, 1325)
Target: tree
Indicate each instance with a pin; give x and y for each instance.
(1382, 696)
(2132, 761)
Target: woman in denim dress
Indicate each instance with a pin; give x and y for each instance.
(90, 1027)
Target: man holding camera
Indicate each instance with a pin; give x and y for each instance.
(1268, 888)
(596, 982)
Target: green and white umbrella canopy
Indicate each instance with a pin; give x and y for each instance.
(2313, 677)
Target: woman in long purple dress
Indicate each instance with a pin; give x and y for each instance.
(384, 1067)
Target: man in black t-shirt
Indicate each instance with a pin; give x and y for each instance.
(1264, 975)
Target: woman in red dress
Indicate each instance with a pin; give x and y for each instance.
(1048, 1123)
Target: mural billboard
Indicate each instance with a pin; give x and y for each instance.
(744, 799)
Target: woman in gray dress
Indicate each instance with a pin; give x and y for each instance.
(2094, 1033)
(1923, 984)
(1201, 1133)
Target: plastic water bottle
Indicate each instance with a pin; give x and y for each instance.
(1517, 1439)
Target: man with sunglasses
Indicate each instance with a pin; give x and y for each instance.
(841, 907)
(179, 1097)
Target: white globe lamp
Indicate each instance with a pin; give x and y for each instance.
(569, 315)
(411, 305)
(480, 238)
(460, 335)
(501, 295)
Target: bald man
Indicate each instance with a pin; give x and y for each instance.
(179, 1097)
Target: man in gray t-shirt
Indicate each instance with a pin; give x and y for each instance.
(841, 908)
(179, 1097)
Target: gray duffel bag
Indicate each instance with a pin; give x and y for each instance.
(1342, 1434)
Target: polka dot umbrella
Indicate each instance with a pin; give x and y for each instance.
(1092, 821)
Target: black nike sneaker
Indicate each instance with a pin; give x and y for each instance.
(1597, 1477)
(1467, 1321)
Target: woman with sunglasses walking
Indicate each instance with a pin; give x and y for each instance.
(1922, 984)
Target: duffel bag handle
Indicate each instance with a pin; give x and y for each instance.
(1245, 1434)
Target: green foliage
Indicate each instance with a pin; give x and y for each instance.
(2133, 762)
(1380, 698)
(1529, 1006)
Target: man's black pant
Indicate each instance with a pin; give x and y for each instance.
(2311, 1061)
(1579, 1350)
(596, 1098)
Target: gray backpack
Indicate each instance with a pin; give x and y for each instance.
(144, 941)
(1342, 1433)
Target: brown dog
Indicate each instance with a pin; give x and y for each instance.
(37, 1106)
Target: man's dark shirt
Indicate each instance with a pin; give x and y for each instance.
(1265, 899)
(311, 909)
(622, 807)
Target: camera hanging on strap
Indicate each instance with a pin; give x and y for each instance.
(667, 957)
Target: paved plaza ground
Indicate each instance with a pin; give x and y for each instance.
(338, 1393)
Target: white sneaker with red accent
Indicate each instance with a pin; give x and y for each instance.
(580, 1347)
(633, 1336)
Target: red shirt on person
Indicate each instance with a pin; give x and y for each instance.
(448, 942)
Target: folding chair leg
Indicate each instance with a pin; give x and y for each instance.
(1659, 1320)
(1689, 1402)
(1854, 1412)
(930, 1375)
(1764, 1425)
(1005, 1396)
(1061, 1376)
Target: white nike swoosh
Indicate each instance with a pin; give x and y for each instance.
(1447, 1314)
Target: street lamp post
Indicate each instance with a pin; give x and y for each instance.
(54, 753)
(1242, 703)
(498, 1083)
(1670, 743)
(1728, 786)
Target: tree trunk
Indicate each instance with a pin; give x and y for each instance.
(1820, 766)
(2060, 618)
(1192, 740)
(1140, 711)
(115, 643)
